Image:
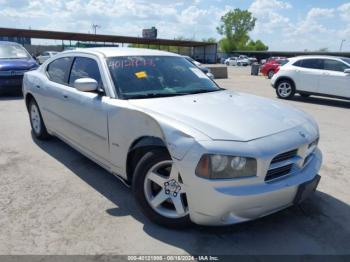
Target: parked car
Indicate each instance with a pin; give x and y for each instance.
(271, 67)
(263, 61)
(231, 61)
(313, 75)
(14, 62)
(162, 126)
(252, 60)
(236, 61)
(204, 69)
(45, 55)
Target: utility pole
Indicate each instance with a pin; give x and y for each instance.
(94, 27)
(341, 44)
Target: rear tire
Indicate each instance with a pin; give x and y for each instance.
(285, 89)
(36, 121)
(159, 191)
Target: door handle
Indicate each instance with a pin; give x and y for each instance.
(37, 86)
(65, 96)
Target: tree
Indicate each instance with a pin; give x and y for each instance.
(235, 26)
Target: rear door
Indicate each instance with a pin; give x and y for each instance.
(333, 80)
(307, 74)
(51, 104)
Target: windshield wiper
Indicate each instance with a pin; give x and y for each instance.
(154, 95)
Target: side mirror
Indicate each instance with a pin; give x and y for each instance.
(86, 84)
(347, 71)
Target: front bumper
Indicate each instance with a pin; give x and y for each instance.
(7, 82)
(230, 201)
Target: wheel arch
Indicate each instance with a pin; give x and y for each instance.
(138, 149)
(29, 97)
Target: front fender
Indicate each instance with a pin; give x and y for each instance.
(127, 125)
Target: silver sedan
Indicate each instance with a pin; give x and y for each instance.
(190, 150)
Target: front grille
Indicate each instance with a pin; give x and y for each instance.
(281, 165)
(278, 172)
(285, 156)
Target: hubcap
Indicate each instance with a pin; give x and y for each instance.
(35, 117)
(164, 190)
(284, 89)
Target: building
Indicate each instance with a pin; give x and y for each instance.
(18, 39)
(150, 33)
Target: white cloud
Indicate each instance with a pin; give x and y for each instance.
(345, 11)
(279, 24)
(268, 17)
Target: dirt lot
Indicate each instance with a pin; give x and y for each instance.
(55, 201)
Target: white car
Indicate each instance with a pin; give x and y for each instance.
(237, 61)
(231, 61)
(45, 55)
(191, 151)
(313, 75)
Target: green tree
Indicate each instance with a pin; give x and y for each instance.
(235, 27)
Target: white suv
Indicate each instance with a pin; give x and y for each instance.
(314, 75)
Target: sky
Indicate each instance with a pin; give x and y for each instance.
(293, 25)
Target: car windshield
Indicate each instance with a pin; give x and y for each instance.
(157, 76)
(346, 60)
(13, 52)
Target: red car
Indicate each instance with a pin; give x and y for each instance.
(272, 66)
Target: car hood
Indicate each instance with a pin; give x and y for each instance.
(226, 115)
(17, 64)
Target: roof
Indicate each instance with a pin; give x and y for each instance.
(42, 34)
(318, 56)
(122, 51)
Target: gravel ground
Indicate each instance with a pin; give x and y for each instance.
(53, 200)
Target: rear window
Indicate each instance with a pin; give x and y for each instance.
(282, 62)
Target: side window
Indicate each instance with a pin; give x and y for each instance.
(85, 67)
(310, 63)
(334, 65)
(58, 70)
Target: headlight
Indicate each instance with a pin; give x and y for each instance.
(222, 166)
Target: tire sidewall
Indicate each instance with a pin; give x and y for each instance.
(145, 164)
(42, 134)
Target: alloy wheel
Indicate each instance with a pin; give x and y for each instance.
(164, 190)
(284, 89)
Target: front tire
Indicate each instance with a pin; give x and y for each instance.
(285, 89)
(159, 191)
(36, 121)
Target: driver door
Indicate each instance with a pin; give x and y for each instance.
(85, 113)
